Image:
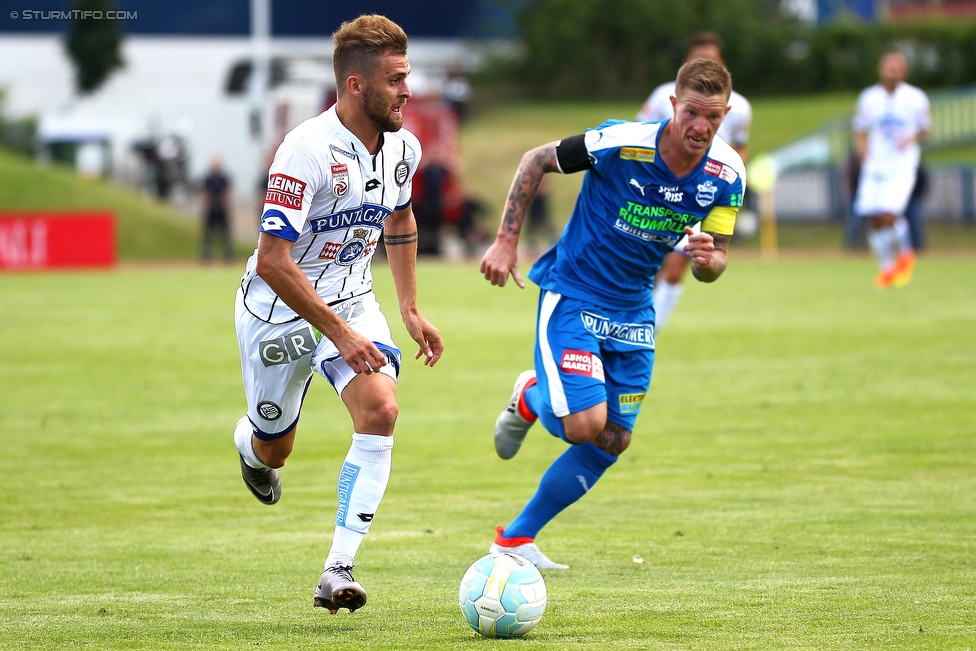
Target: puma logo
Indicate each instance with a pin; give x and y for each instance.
(640, 187)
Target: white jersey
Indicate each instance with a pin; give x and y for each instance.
(734, 129)
(331, 197)
(887, 119)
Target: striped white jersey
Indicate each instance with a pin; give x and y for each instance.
(331, 197)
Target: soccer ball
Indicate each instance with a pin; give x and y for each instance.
(502, 595)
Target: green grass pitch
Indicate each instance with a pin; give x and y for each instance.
(803, 474)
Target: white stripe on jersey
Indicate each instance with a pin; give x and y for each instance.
(557, 395)
(623, 134)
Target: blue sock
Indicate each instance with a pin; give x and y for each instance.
(568, 478)
(549, 420)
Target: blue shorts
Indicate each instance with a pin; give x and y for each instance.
(586, 354)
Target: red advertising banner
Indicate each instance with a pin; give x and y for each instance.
(57, 240)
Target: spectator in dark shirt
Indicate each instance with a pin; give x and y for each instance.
(216, 205)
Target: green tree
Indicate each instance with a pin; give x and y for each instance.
(621, 49)
(94, 44)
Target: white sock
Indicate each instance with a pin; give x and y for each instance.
(882, 241)
(244, 443)
(903, 234)
(345, 544)
(666, 297)
(362, 482)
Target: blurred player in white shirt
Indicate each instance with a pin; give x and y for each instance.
(734, 130)
(891, 118)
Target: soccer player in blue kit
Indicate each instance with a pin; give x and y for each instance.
(646, 186)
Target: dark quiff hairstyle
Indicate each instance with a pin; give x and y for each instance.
(705, 77)
(358, 44)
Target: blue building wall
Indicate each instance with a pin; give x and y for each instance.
(828, 10)
(420, 18)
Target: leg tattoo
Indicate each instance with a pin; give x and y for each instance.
(614, 439)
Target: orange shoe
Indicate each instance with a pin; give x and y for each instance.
(885, 277)
(904, 267)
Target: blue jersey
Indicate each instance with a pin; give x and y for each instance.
(630, 213)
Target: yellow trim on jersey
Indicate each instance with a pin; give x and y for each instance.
(721, 220)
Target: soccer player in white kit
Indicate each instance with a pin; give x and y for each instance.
(338, 181)
(890, 121)
(734, 130)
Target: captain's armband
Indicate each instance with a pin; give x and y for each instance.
(571, 155)
(721, 220)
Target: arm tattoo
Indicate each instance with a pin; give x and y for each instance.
(721, 241)
(614, 439)
(396, 240)
(716, 267)
(535, 163)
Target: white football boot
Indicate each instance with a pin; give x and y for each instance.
(526, 548)
(531, 553)
(511, 428)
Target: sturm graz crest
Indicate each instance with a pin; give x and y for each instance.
(269, 410)
(401, 172)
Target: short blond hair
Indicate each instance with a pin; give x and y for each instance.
(705, 77)
(358, 44)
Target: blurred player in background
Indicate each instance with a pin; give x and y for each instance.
(305, 304)
(646, 186)
(734, 131)
(890, 121)
(216, 218)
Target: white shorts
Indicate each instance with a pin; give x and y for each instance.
(877, 194)
(277, 361)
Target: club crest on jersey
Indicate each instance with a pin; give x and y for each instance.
(285, 191)
(269, 410)
(401, 172)
(582, 362)
(349, 252)
(340, 180)
(706, 193)
(346, 254)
